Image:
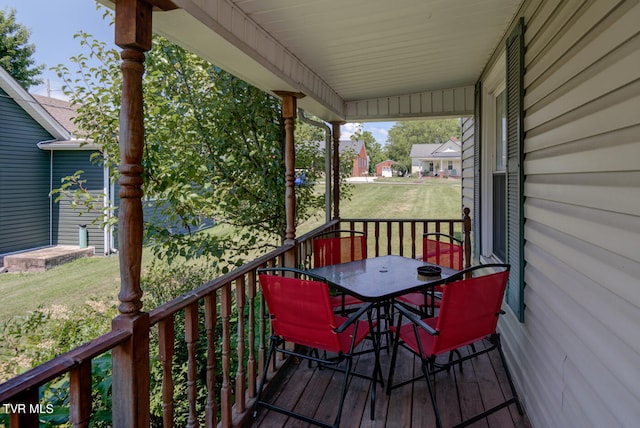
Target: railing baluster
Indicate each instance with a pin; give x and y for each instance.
(166, 348)
(262, 331)
(240, 373)
(191, 336)
(377, 236)
(401, 237)
(413, 239)
(389, 234)
(210, 317)
(80, 395)
(251, 361)
(24, 419)
(225, 392)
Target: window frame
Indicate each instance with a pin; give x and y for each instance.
(494, 85)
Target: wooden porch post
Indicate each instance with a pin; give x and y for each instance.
(336, 168)
(466, 222)
(289, 114)
(131, 359)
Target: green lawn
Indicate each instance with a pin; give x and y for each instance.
(98, 277)
(70, 284)
(400, 198)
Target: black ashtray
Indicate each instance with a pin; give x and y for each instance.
(429, 271)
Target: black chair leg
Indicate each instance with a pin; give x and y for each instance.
(394, 354)
(425, 371)
(498, 344)
(270, 355)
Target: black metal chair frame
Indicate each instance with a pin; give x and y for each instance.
(429, 365)
(332, 362)
(344, 308)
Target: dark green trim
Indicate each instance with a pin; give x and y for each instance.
(515, 170)
(477, 171)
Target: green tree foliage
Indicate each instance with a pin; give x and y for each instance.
(405, 134)
(213, 148)
(16, 52)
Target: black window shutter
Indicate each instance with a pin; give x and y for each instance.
(477, 140)
(515, 174)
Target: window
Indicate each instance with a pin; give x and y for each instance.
(500, 166)
(499, 179)
(494, 165)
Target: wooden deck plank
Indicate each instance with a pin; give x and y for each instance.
(422, 410)
(481, 385)
(399, 412)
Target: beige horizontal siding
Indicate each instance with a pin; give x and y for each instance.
(576, 356)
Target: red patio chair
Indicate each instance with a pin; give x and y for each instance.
(440, 249)
(340, 246)
(469, 310)
(301, 313)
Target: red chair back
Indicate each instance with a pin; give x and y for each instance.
(340, 249)
(469, 310)
(301, 312)
(443, 250)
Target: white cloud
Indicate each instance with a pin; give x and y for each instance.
(379, 130)
(379, 133)
(348, 129)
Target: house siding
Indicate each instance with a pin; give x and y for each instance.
(576, 357)
(467, 172)
(24, 180)
(66, 219)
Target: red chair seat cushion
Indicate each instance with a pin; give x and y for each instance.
(418, 299)
(348, 300)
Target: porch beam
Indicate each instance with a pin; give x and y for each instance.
(453, 102)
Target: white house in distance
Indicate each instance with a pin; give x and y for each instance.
(443, 160)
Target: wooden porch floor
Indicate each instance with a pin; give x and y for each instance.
(316, 392)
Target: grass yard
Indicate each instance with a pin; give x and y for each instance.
(409, 198)
(68, 284)
(99, 277)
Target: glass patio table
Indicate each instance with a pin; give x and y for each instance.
(380, 279)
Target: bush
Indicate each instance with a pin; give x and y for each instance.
(49, 332)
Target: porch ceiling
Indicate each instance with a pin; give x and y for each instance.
(340, 53)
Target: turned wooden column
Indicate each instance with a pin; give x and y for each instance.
(131, 358)
(336, 168)
(289, 109)
(289, 114)
(133, 35)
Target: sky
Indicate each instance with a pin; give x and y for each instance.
(53, 23)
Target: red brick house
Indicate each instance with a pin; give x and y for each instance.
(360, 158)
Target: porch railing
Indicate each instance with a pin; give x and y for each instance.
(220, 380)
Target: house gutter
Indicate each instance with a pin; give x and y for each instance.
(105, 203)
(112, 195)
(40, 145)
(327, 160)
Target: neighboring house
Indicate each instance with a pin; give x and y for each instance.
(436, 159)
(360, 159)
(38, 149)
(384, 168)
